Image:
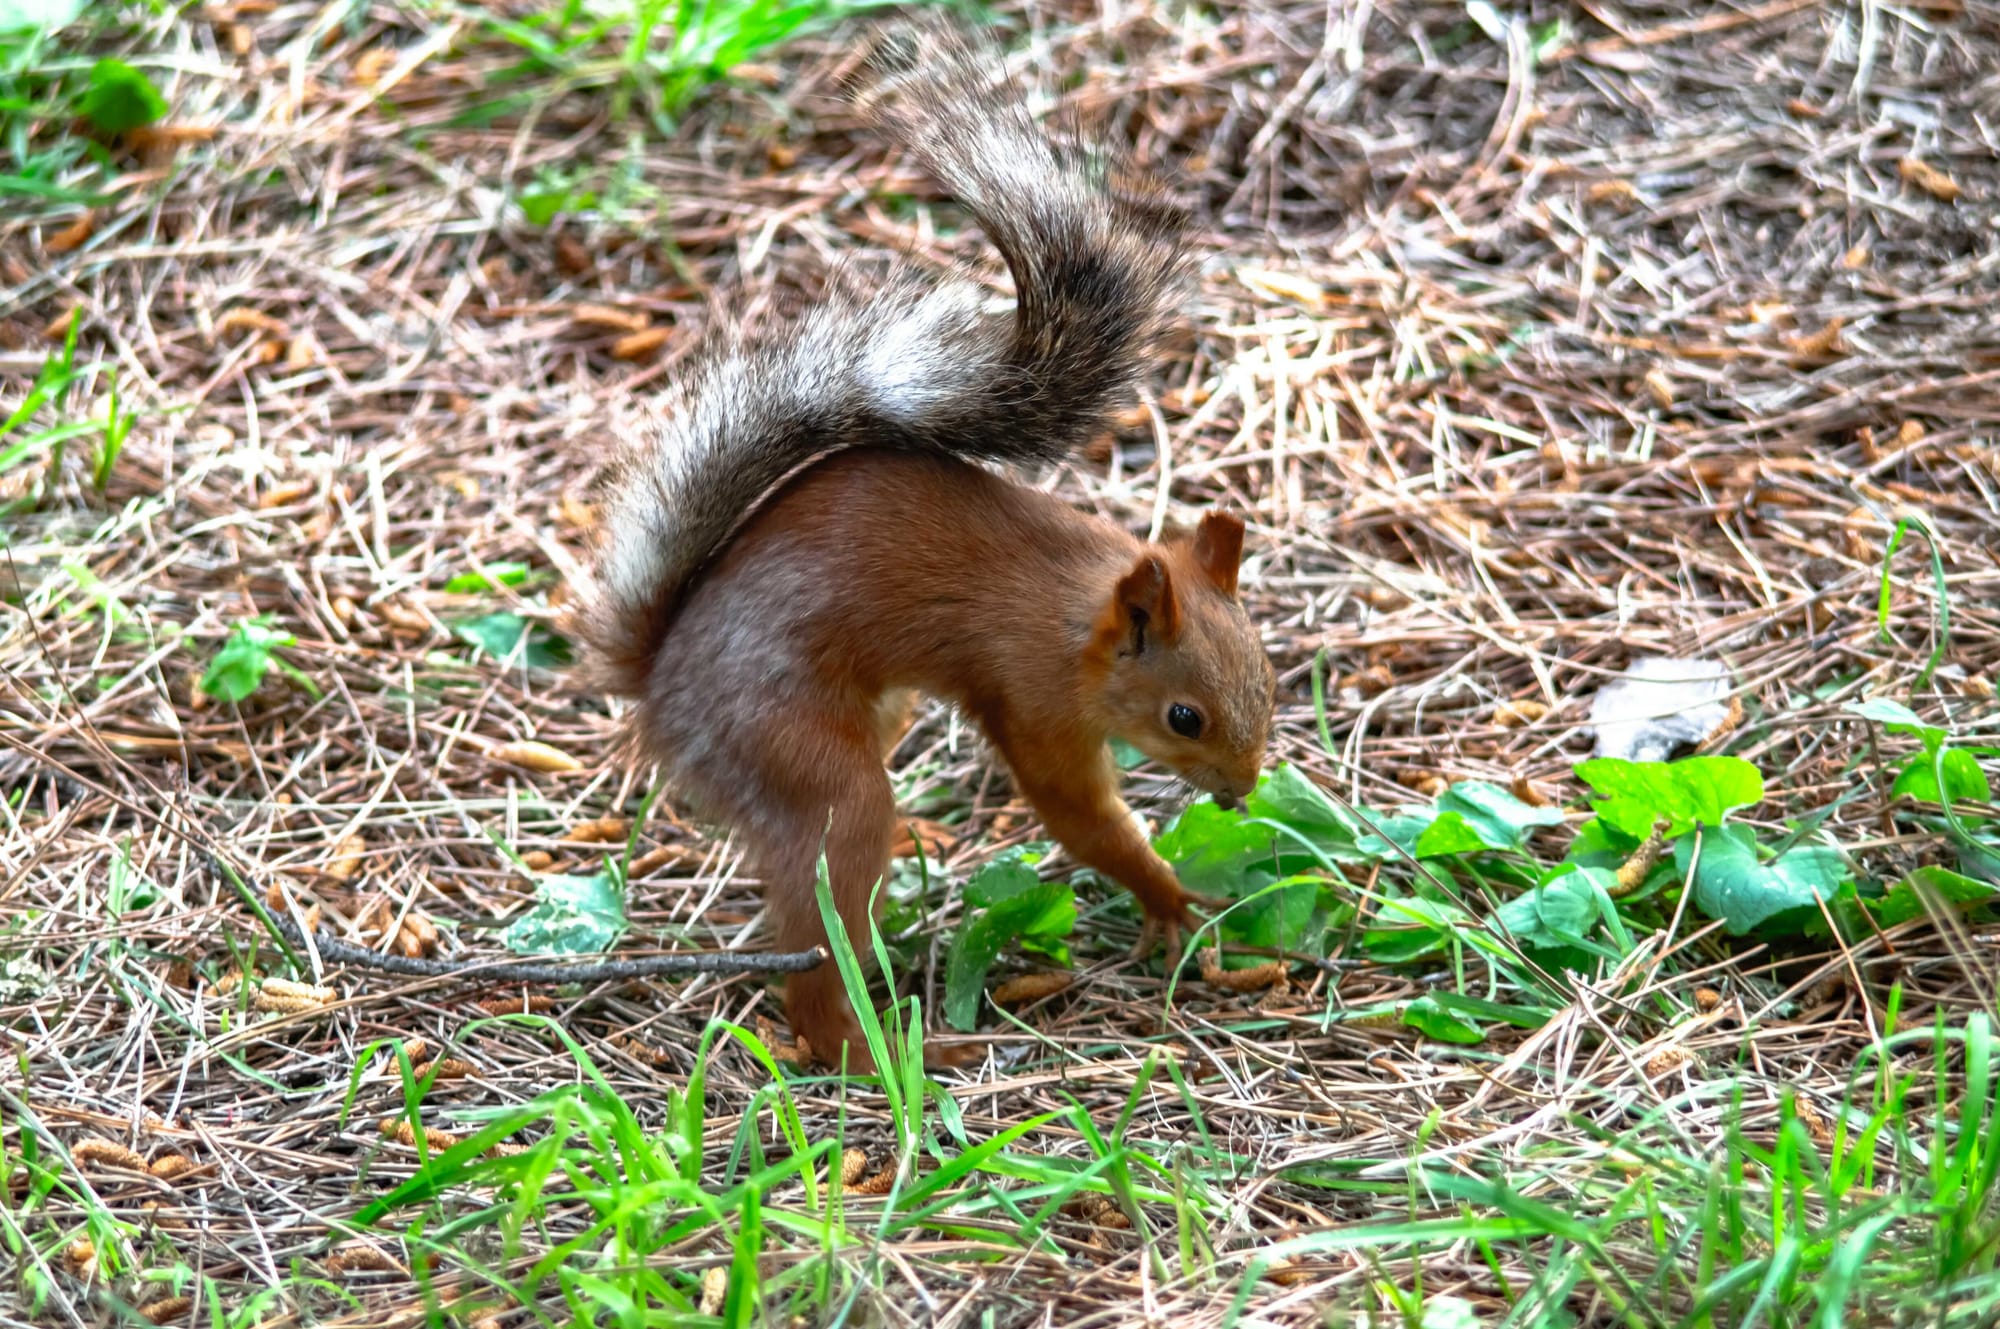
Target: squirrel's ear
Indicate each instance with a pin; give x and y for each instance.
(1144, 603)
(1218, 549)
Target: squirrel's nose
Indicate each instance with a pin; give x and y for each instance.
(1226, 801)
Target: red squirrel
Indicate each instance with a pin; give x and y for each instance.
(801, 539)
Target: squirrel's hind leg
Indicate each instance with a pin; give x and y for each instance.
(842, 777)
(895, 713)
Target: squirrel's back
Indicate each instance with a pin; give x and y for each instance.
(921, 365)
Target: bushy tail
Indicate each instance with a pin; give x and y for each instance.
(1095, 257)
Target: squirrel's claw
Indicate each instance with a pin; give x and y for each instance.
(1163, 931)
(1155, 932)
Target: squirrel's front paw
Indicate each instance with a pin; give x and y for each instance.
(1162, 929)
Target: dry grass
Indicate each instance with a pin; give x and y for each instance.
(1519, 368)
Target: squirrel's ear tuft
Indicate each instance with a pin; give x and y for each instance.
(1218, 549)
(1145, 604)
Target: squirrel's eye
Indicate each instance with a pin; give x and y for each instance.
(1184, 720)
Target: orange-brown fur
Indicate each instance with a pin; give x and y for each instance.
(777, 694)
(796, 540)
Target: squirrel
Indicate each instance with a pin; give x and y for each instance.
(802, 537)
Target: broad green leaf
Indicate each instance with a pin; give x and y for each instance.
(1218, 852)
(1287, 796)
(1432, 1020)
(1495, 814)
(1896, 718)
(1733, 885)
(1931, 887)
(1694, 791)
(1406, 929)
(1963, 778)
(34, 15)
(1449, 834)
(571, 916)
(1285, 916)
(1849, 910)
(1470, 816)
(1054, 949)
(244, 659)
(1979, 858)
(120, 98)
(1561, 913)
(1007, 874)
(1046, 909)
(500, 634)
(1599, 844)
(1396, 833)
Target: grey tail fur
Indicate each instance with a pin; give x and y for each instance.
(1096, 257)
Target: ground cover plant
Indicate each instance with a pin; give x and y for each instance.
(1544, 342)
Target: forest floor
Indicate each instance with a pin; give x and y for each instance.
(1531, 340)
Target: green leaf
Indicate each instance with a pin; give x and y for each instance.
(492, 577)
(1043, 909)
(542, 206)
(240, 665)
(1897, 719)
(1218, 852)
(1733, 885)
(120, 98)
(1928, 888)
(1543, 42)
(128, 889)
(1449, 834)
(1470, 817)
(1501, 820)
(1399, 833)
(1432, 1020)
(1288, 797)
(1885, 710)
(1283, 916)
(1560, 913)
(1407, 929)
(571, 916)
(1599, 845)
(1979, 856)
(1963, 778)
(42, 15)
(1006, 875)
(500, 634)
(1695, 791)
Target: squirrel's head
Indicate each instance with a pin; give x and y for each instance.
(1183, 676)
